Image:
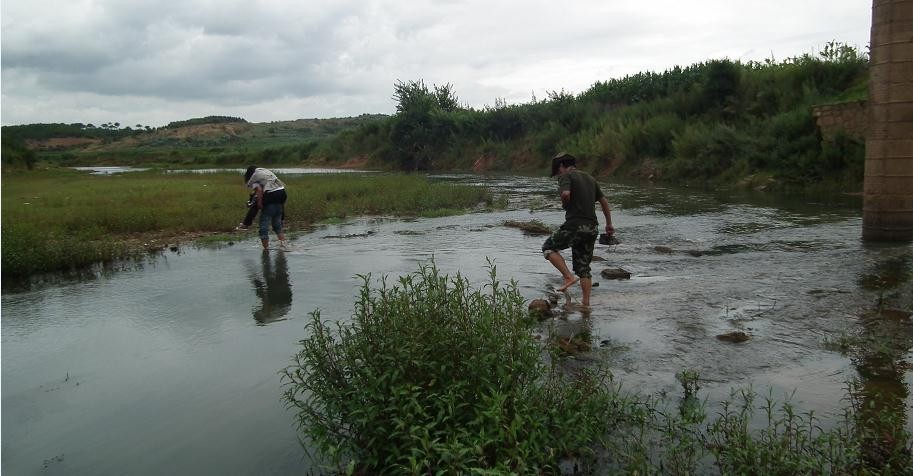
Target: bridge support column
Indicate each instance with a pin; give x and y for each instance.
(888, 188)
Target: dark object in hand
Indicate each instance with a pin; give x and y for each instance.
(605, 239)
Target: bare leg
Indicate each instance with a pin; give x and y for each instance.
(586, 284)
(557, 261)
(265, 242)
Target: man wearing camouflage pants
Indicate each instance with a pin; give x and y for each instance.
(579, 191)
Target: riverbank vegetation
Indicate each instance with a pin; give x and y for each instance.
(62, 219)
(717, 121)
(432, 375)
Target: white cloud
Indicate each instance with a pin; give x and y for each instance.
(154, 62)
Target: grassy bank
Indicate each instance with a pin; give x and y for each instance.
(62, 220)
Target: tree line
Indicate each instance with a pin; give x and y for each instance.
(715, 120)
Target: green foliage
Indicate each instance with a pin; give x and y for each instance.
(704, 150)
(432, 375)
(204, 120)
(720, 82)
(422, 124)
(15, 153)
(712, 121)
(794, 442)
(842, 154)
(48, 131)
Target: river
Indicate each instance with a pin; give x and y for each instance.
(172, 366)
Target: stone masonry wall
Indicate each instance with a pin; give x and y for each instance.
(849, 117)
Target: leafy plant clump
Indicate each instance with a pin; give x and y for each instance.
(431, 374)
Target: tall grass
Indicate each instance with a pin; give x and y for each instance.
(60, 219)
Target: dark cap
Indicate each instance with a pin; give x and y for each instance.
(563, 158)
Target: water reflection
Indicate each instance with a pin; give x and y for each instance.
(878, 354)
(273, 288)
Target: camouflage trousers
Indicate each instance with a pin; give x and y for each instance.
(580, 239)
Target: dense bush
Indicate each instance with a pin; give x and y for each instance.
(434, 375)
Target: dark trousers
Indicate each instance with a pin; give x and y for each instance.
(252, 209)
(251, 213)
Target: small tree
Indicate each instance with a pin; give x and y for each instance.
(422, 122)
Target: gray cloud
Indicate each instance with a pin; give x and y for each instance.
(154, 62)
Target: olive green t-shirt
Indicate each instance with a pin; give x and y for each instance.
(584, 193)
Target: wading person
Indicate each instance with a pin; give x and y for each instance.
(579, 192)
(270, 197)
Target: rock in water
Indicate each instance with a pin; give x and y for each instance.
(734, 336)
(540, 309)
(615, 273)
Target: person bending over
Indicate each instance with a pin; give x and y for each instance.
(270, 201)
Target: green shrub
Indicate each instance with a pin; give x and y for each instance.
(704, 151)
(432, 375)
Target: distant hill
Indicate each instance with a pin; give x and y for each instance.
(212, 139)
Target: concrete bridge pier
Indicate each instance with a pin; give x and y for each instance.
(887, 212)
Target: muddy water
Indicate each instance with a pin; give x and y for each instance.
(172, 367)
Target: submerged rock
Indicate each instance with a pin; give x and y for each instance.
(573, 345)
(353, 235)
(734, 336)
(896, 315)
(540, 309)
(615, 273)
(663, 249)
(534, 227)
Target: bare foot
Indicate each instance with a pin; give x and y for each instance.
(568, 283)
(583, 309)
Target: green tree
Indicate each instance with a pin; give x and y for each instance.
(422, 123)
(15, 152)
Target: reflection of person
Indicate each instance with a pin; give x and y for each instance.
(271, 196)
(579, 191)
(273, 289)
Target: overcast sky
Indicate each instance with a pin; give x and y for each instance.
(150, 63)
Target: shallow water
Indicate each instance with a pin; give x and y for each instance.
(109, 170)
(172, 367)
